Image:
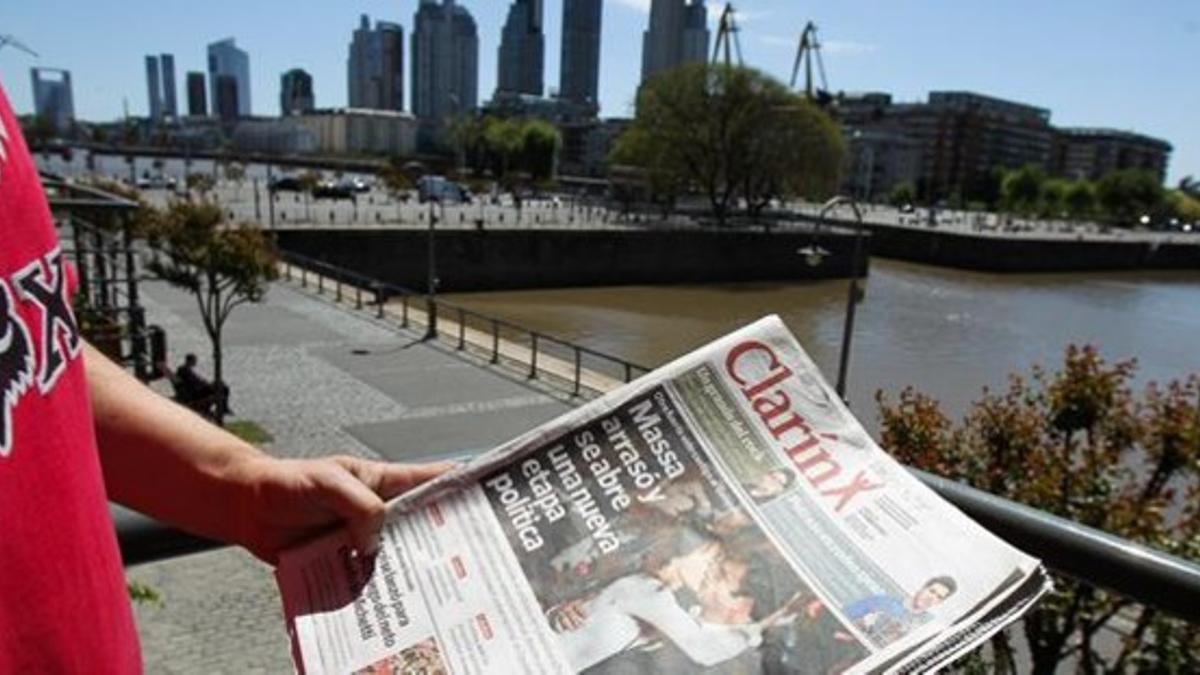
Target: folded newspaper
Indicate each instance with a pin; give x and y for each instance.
(724, 513)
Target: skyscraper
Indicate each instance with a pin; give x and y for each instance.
(375, 67)
(522, 54)
(170, 105)
(445, 60)
(153, 89)
(52, 97)
(678, 34)
(226, 60)
(197, 98)
(579, 77)
(296, 93)
(225, 101)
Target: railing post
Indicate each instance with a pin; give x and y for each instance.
(320, 284)
(533, 356)
(358, 297)
(495, 341)
(628, 372)
(379, 300)
(462, 329)
(404, 312)
(303, 277)
(578, 367)
(338, 281)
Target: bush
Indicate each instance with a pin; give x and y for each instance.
(1078, 443)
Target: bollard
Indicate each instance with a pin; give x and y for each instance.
(533, 356)
(495, 341)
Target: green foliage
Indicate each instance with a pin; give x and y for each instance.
(513, 150)
(1080, 199)
(223, 266)
(1021, 190)
(730, 133)
(1078, 443)
(200, 183)
(1128, 194)
(903, 193)
(1184, 206)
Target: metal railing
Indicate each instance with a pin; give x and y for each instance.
(1143, 574)
(538, 355)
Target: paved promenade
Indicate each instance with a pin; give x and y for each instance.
(321, 379)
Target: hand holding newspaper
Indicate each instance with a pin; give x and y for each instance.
(725, 512)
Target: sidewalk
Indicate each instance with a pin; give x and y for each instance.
(321, 379)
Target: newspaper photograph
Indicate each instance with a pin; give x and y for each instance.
(725, 513)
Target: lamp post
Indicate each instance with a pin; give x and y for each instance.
(431, 279)
(855, 291)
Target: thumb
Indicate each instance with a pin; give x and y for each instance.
(361, 510)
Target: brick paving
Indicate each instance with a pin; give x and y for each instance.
(321, 379)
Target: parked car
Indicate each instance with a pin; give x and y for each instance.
(439, 189)
(156, 182)
(355, 184)
(331, 190)
(286, 184)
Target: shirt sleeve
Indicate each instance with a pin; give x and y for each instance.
(705, 643)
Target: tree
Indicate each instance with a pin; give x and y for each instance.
(540, 142)
(1128, 194)
(1052, 201)
(223, 266)
(200, 183)
(902, 194)
(1022, 189)
(1080, 199)
(1080, 444)
(730, 132)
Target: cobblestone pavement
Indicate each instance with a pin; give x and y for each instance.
(319, 378)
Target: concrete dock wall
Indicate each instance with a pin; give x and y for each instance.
(469, 260)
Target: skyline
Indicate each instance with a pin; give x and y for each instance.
(1104, 64)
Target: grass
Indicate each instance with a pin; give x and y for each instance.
(249, 431)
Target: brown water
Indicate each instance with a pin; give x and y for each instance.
(947, 332)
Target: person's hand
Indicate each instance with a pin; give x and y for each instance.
(568, 616)
(283, 502)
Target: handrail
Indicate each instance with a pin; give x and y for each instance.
(440, 307)
(1146, 575)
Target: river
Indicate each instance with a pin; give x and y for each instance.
(947, 332)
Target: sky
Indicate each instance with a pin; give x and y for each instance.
(1104, 63)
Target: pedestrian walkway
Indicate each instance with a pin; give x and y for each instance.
(321, 379)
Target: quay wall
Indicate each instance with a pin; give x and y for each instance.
(471, 260)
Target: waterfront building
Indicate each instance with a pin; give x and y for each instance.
(337, 131)
(296, 93)
(579, 75)
(1090, 153)
(160, 87)
(53, 100)
(225, 101)
(962, 137)
(228, 63)
(196, 95)
(153, 89)
(375, 66)
(445, 61)
(170, 102)
(677, 34)
(520, 60)
(879, 161)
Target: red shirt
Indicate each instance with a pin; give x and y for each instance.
(63, 603)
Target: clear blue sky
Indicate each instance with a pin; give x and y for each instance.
(1114, 63)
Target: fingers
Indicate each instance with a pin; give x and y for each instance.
(346, 495)
(389, 480)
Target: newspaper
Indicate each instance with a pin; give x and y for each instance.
(724, 513)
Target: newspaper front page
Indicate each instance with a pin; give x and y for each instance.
(725, 513)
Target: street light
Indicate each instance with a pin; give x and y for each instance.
(855, 291)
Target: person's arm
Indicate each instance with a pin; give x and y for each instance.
(164, 460)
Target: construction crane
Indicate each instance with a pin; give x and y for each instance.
(7, 40)
(727, 37)
(808, 52)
